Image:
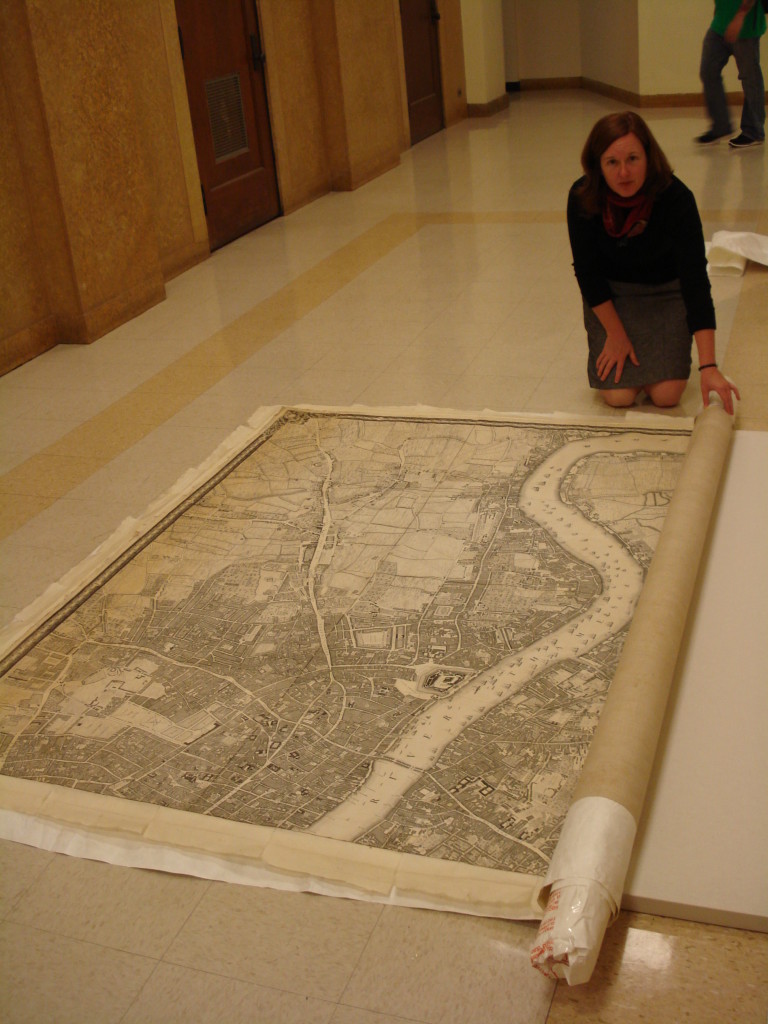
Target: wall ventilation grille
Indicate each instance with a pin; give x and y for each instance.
(225, 110)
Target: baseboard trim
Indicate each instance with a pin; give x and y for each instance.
(626, 96)
(634, 99)
(533, 84)
(699, 915)
(487, 109)
(25, 344)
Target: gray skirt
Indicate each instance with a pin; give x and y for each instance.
(655, 320)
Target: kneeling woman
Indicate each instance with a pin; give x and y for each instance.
(639, 258)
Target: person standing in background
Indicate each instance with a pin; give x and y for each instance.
(735, 32)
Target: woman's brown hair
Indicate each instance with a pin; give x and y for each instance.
(604, 133)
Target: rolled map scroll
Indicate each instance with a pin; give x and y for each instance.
(582, 890)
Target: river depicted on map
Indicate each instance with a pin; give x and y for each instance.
(394, 630)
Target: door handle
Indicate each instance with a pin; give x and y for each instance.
(257, 54)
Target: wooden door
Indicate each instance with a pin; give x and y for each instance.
(421, 49)
(224, 70)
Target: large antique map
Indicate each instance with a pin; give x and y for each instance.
(396, 631)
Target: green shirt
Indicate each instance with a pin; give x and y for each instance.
(725, 11)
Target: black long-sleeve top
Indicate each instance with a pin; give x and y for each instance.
(670, 248)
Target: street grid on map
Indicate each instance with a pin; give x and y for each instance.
(395, 631)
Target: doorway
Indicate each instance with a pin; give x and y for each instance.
(421, 50)
(224, 71)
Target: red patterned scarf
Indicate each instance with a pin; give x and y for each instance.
(623, 218)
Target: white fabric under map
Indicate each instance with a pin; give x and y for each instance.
(359, 651)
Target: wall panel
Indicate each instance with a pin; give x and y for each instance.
(609, 43)
(452, 67)
(99, 167)
(295, 100)
(25, 313)
(177, 212)
(370, 81)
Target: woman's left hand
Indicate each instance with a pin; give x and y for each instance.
(713, 380)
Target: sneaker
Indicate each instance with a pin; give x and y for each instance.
(744, 142)
(708, 138)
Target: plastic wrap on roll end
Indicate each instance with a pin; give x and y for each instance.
(582, 891)
(571, 932)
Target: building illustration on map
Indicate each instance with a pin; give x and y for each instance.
(396, 631)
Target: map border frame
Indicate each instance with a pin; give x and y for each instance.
(134, 834)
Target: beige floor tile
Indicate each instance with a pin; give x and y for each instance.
(446, 329)
(138, 408)
(323, 387)
(748, 364)
(450, 969)
(660, 971)
(570, 361)
(7, 612)
(23, 447)
(48, 977)
(20, 866)
(354, 1015)
(25, 411)
(319, 307)
(278, 939)
(18, 509)
(150, 467)
(177, 995)
(74, 523)
(574, 397)
(130, 910)
(397, 321)
(395, 388)
(356, 356)
(26, 573)
(489, 293)
(296, 350)
(419, 360)
(479, 304)
(386, 330)
(692, 401)
(372, 288)
(47, 475)
(48, 546)
(500, 393)
(94, 383)
(21, 399)
(226, 407)
(517, 354)
(752, 412)
(545, 318)
(180, 327)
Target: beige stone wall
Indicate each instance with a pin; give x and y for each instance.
(38, 299)
(95, 142)
(452, 68)
(334, 87)
(156, 74)
(100, 189)
(483, 33)
(370, 82)
(295, 101)
(25, 312)
(99, 209)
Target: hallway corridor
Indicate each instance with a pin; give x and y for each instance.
(445, 282)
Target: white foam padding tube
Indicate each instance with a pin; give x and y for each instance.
(582, 890)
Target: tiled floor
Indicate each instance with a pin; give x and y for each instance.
(445, 282)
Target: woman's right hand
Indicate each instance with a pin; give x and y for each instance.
(616, 350)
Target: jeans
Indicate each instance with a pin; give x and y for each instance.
(715, 54)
